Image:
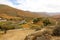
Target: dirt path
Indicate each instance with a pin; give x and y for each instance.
(16, 34)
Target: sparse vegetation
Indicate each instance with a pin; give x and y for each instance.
(8, 26)
(46, 22)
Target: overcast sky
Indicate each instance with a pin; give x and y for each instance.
(34, 5)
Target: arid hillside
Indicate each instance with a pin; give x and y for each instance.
(12, 20)
(10, 12)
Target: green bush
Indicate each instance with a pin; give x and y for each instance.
(46, 22)
(35, 20)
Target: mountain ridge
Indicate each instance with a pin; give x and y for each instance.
(10, 12)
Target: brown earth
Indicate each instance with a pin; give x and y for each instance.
(16, 34)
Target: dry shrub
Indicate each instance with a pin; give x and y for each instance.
(56, 31)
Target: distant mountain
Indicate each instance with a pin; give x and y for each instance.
(9, 12)
(55, 15)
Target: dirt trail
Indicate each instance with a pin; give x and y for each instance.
(16, 34)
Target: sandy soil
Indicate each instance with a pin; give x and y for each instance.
(16, 34)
